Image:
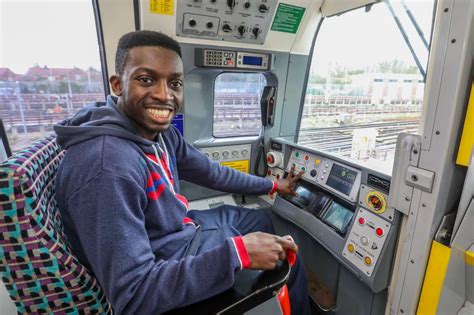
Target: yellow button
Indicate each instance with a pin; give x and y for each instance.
(368, 260)
(350, 248)
(318, 161)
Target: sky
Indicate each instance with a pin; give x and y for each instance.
(358, 38)
(61, 33)
(57, 33)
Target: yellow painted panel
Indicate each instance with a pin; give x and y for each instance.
(434, 278)
(467, 139)
(242, 165)
(162, 7)
(469, 257)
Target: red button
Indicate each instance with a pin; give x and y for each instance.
(278, 176)
(270, 159)
(361, 221)
(269, 172)
(379, 231)
(306, 157)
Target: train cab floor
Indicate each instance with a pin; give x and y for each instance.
(321, 296)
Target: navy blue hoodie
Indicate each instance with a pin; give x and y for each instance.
(118, 194)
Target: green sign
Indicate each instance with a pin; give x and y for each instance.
(287, 18)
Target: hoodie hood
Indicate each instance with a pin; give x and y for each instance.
(95, 120)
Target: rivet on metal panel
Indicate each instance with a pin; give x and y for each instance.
(412, 261)
(414, 178)
(407, 198)
(437, 132)
(423, 205)
(446, 9)
(453, 40)
(402, 311)
(415, 151)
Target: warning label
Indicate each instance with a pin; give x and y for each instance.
(287, 18)
(162, 7)
(242, 165)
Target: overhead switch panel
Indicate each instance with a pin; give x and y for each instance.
(244, 21)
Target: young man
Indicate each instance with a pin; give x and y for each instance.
(118, 191)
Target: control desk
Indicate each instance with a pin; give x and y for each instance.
(343, 206)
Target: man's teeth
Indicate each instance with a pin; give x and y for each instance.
(161, 113)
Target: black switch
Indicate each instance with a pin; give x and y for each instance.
(231, 3)
(255, 31)
(226, 28)
(247, 5)
(241, 30)
(263, 8)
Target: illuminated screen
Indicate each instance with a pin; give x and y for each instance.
(341, 178)
(252, 60)
(304, 198)
(338, 216)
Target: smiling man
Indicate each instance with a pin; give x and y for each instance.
(118, 192)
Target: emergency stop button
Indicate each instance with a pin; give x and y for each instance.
(379, 232)
(361, 221)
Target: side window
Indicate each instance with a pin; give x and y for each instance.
(50, 66)
(364, 85)
(237, 104)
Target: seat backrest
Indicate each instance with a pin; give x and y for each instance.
(37, 264)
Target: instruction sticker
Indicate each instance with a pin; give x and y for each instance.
(162, 7)
(242, 165)
(287, 18)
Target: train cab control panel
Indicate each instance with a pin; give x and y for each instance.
(231, 20)
(340, 204)
(235, 156)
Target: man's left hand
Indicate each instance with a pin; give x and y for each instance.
(287, 186)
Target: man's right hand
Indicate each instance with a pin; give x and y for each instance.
(266, 249)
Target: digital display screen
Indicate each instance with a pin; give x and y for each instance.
(338, 216)
(304, 198)
(252, 60)
(341, 178)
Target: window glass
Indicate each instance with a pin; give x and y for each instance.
(364, 86)
(237, 104)
(49, 65)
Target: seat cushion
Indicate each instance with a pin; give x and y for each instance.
(37, 265)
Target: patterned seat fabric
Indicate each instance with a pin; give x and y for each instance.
(37, 264)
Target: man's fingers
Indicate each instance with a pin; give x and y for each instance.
(297, 177)
(287, 243)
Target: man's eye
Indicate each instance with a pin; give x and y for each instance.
(145, 80)
(176, 84)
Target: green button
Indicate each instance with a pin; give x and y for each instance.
(297, 154)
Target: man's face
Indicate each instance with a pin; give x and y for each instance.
(150, 89)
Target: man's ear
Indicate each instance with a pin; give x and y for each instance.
(116, 84)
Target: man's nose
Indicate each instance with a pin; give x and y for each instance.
(162, 92)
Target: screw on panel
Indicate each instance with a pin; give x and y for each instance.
(415, 151)
(412, 261)
(437, 132)
(453, 40)
(414, 178)
(402, 311)
(446, 9)
(407, 198)
(423, 205)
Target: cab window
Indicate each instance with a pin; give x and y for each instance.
(237, 104)
(49, 71)
(365, 86)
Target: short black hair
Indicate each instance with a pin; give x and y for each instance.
(141, 38)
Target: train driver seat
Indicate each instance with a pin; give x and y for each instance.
(41, 272)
